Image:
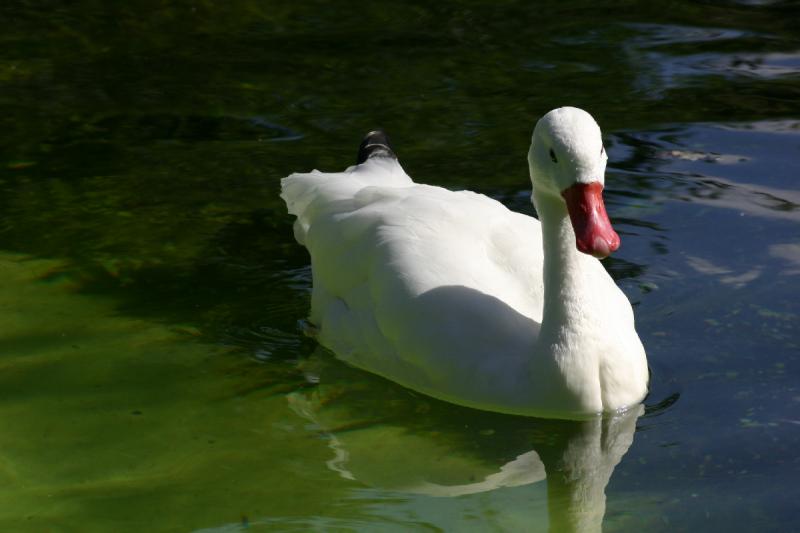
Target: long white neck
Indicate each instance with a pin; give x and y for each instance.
(566, 296)
(570, 336)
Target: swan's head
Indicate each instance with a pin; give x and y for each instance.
(568, 163)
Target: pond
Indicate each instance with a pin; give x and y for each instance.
(154, 375)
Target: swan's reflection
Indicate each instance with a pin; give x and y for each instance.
(579, 467)
(383, 437)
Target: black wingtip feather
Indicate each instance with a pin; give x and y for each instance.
(375, 144)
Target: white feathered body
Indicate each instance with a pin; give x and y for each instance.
(443, 292)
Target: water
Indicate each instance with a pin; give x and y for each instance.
(153, 376)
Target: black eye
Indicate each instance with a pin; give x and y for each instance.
(553, 156)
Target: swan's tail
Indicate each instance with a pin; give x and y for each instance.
(319, 194)
(375, 144)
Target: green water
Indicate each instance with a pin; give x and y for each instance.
(153, 376)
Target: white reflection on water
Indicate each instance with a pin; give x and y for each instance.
(790, 252)
(765, 126)
(672, 69)
(653, 35)
(748, 198)
(726, 275)
(576, 459)
(661, 66)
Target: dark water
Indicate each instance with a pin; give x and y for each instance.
(153, 376)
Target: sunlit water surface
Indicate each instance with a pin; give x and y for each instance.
(153, 375)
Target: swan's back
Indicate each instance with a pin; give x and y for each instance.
(435, 289)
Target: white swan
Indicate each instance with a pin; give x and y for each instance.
(453, 295)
